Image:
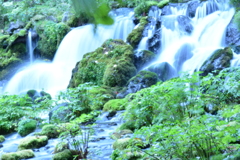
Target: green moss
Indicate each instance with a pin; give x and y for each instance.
(24, 154)
(51, 34)
(110, 65)
(64, 155)
(219, 60)
(136, 35)
(61, 146)
(33, 142)
(121, 144)
(163, 3)
(51, 131)
(26, 126)
(237, 19)
(2, 138)
(22, 32)
(143, 7)
(146, 77)
(115, 105)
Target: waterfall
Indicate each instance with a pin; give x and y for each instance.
(186, 43)
(30, 45)
(53, 77)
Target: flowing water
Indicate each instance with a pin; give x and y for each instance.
(186, 43)
(30, 46)
(55, 76)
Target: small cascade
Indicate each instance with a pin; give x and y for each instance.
(186, 43)
(55, 76)
(30, 46)
(236, 60)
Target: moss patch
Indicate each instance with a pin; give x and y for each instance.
(24, 154)
(26, 126)
(33, 142)
(110, 65)
(64, 155)
(2, 138)
(51, 131)
(115, 105)
(136, 35)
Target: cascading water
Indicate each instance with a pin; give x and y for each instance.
(186, 43)
(55, 76)
(30, 45)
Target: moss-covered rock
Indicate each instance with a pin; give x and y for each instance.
(51, 34)
(2, 138)
(115, 105)
(136, 35)
(61, 146)
(129, 154)
(142, 80)
(33, 142)
(120, 134)
(51, 131)
(24, 154)
(121, 144)
(64, 155)
(219, 60)
(110, 65)
(143, 7)
(26, 126)
(163, 3)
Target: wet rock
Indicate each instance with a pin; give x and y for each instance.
(26, 126)
(143, 58)
(232, 35)
(154, 43)
(51, 131)
(164, 71)
(136, 35)
(166, 11)
(64, 155)
(115, 105)
(2, 138)
(14, 26)
(24, 154)
(219, 60)
(59, 113)
(185, 23)
(192, 7)
(1, 145)
(110, 65)
(142, 80)
(39, 96)
(111, 114)
(33, 142)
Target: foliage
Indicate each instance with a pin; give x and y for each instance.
(82, 100)
(235, 3)
(14, 107)
(78, 138)
(237, 19)
(26, 126)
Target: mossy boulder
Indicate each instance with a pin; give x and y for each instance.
(26, 126)
(218, 61)
(115, 105)
(142, 80)
(136, 35)
(2, 138)
(110, 65)
(33, 142)
(121, 144)
(61, 146)
(51, 131)
(24, 154)
(64, 155)
(50, 35)
(119, 134)
(129, 154)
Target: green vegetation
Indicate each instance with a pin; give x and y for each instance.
(26, 126)
(24, 154)
(33, 142)
(2, 138)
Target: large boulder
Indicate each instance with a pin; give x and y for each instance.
(26, 126)
(219, 60)
(33, 142)
(142, 80)
(232, 35)
(24, 154)
(59, 113)
(110, 65)
(51, 131)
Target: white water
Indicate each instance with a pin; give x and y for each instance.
(30, 46)
(53, 77)
(187, 52)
